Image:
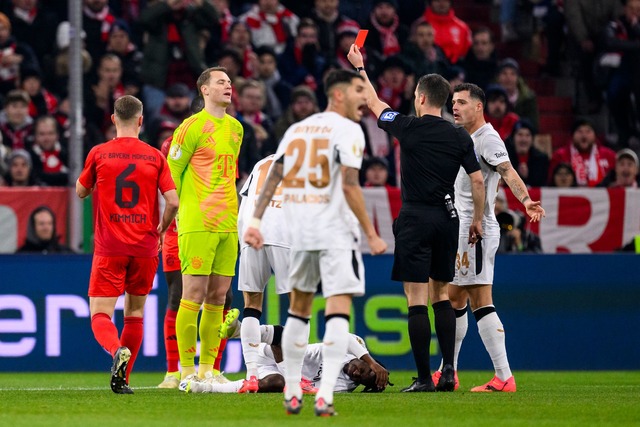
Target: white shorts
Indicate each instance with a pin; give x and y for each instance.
(474, 265)
(256, 266)
(341, 271)
(266, 364)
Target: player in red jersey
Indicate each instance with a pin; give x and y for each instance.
(124, 176)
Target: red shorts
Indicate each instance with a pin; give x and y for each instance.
(170, 258)
(111, 276)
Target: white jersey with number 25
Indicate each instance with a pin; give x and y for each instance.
(315, 207)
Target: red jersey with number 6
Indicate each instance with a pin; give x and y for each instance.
(127, 174)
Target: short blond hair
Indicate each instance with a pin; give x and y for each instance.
(127, 107)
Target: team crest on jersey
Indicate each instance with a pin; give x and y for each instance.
(389, 116)
(196, 262)
(175, 152)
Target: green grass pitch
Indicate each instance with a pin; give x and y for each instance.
(543, 399)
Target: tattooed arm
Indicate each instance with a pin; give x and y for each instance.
(253, 236)
(355, 200)
(519, 189)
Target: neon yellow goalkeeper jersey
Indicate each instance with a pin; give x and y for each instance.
(203, 159)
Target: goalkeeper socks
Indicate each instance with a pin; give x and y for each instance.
(105, 332)
(250, 338)
(334, 350)
(186, 332)
(210, 322)
(131, 338)
(295, 339)
(171, 341)
(445, 324)
(462, 325)
(420, 338)
(492, 333)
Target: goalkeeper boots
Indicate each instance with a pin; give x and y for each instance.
(230, 328)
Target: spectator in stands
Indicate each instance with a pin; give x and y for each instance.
(15, 123)
(49, 155)
(175, 109)
(173, 52)
(240, 41)
(455, 75)
(33, 25)
(514, 235)
(251, 99)
(396, 84)
(42, 101)
(4, 167)
(16, 56)
(387, 34)
(622, 41)
(345, 37)
(590, 161)
(625, 173)
(302, 62)
(59, 79)
(278, 91)
(120, 44)
(497, 111)
(328, 19)
(508, 9)
(376, 172)
(520, 96)
(452, 34)
(531, 164)
(481, 63)
(103, 92)
(271, 24)
(42, 237)
(303, 104)
(585, 20)
(425, 56)
(20, 170)
(225, 18)
(97, 21)
(562, 176)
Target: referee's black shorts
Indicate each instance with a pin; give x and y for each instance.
(426, 244)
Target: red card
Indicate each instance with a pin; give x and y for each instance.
(360, 38)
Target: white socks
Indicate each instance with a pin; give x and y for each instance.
(295, 339)
(492, 333)
(334, 349)
(250, 338)
(462, 325)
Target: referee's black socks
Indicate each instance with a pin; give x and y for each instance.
(420, 338)
(445, 323)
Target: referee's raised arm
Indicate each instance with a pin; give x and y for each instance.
(373, 102)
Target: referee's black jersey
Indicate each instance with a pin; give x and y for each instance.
(431, 153)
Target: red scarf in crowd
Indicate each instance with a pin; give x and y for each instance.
(226, 19)
(27, 16)
(388, 39)
(589, 171)
(106, 18)
(393, 97)
(51, 162)
(273, 20)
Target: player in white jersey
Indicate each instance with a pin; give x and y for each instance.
(474, 263)
(318, 161)
(256, 265)
(355, 370)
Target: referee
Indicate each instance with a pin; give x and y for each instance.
(426, 231)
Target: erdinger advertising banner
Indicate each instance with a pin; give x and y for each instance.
(552, 306)
(16, 206)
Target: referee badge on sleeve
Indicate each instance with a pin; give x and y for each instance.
(389, 116)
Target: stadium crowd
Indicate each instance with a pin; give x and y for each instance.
(277, 52)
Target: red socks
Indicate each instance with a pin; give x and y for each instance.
(105, 332)
(171, 341)
(131, 338)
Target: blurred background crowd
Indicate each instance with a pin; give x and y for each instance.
(562, 77)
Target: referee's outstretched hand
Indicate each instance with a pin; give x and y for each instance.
(377, 245)
(355, 57)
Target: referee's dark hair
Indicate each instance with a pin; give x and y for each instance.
(474, 91)
(339, 76)
(436, 88)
